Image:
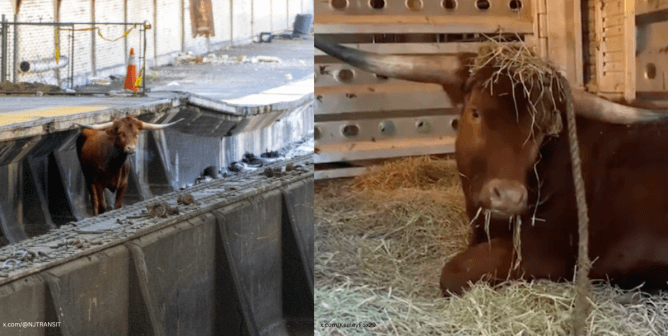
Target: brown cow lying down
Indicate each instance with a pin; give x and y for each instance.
(103, 151)
(511, 167)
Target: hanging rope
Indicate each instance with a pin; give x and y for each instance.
(581, 310)
(99, 32)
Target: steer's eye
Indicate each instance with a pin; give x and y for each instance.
(474, 113)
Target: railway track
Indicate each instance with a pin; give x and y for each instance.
(79, 239)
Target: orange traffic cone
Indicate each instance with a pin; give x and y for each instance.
(131, 76)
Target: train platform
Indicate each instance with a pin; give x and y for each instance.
(238, 89)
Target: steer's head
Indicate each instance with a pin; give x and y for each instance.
(502, 124)
(125, 131)
(501, 129)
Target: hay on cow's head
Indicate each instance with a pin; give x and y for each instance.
(539, 80)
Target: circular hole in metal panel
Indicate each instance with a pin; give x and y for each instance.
(387, 127)
(377, 4)
(24, 66)
(515, 5)
(650, 71)
(338, 4)
(454, 124)
(317, 133)
(350, 131)
(345, 75)
(414, 5)
(423, 126)
(482, 4)
(449, 4)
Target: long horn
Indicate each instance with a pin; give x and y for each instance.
(441, 69)
(98, 126)
(594, 107)
(149, 126)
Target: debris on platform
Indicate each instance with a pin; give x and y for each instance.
(270, 154)
(252, 160)
(25, 87)
(189, 58)
(185, 199)
(160, 209)
(267, 59)
(99, 80)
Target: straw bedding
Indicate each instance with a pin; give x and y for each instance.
(382, 239)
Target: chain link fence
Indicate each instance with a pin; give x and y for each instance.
(84, 57)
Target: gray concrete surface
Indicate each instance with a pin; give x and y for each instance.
(213, 81)
(233, 79)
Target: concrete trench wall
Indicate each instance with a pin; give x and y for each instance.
(241, 269)
(46, 188)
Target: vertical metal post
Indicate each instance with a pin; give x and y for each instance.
(143, 80)
(72, 58)
(125, 27)
(3, 74)
(16, 49)
(92, 39)
(183, 25)
(231, 22)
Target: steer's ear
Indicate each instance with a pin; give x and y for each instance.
(112, 130)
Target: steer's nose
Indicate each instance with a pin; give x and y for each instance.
(506, 196)
(130, 149)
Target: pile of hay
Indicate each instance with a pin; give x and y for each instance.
(382, 239)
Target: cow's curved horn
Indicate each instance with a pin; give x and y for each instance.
(594, 107)
(149, 126)
(97, 126)
(441, 69)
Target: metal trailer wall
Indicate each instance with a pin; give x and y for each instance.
(361, 117)
(240, 266)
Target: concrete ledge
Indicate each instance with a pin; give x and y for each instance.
(282, 98)
(36, 122)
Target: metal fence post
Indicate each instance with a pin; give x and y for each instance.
(72, 58)
(143, 80)
(16, 49)
(3, 74)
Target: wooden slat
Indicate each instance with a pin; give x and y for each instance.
(361, 24)
(613, 31)
(369, 129)
(382, 149)
(614, 7)
(611, 21)
(613, 66)
(341, 172)
(649, 7)
(360, 98)
(414, 48)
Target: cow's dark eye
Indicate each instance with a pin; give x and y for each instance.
(474, 113)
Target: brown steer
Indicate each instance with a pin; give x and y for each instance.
(103, 151)
(509, 167)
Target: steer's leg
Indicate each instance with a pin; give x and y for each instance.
(122, 185)
(94, 199)
(101, 204)
(491, 259)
